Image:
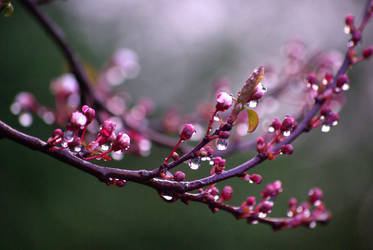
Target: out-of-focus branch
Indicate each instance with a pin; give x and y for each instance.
(80, 73)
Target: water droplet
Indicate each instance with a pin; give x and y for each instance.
(78, 148)
(262, 215)
(286, 133)
(105, 147)
(118, 155)
(25, 119)
(350, 44)
(216, 197)
(307, 213)
(335, 123)
(211, 163)
(290, 214)
(312, 224)
(221, 144)
(64, 144)
(206, 158)
(315, 87)
(68, 135)
(167, 197)
(254, 222)
(261, 87)
(317, 203)
(271, 129)
(195, 163)
(347, 29)
(325, 128)
(216, 118)
(324, 82)
(15, 108)
(345, 87)
(299, 209)
(253, 103)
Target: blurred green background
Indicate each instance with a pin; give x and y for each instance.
(45, 204)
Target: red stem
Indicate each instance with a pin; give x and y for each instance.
(99, 155)
(210, 122)
(172, 151)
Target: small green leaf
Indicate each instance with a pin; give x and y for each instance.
(253, 120)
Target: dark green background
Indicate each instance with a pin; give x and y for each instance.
(45, 204)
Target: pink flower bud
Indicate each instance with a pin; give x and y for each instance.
(288, 124)
(325, 110)
(224, 134)
(120, 183)
(223, 101)
(257, 95)
(256, 178)
(226, 193)
(287, 149)
(214, 191)
(315, 195)
(332, 119)
(367, 52)
(250, 201)
(187, 132)
(342, 79)
(107, 128)
(349, 20)
(121, 142)
(175, 156)
(311, 79)
(77, 119)
(89, 113)
(58, 132)
(179, 176)
(276, 124)
(293, 203)
(265, 206)
(328, 77)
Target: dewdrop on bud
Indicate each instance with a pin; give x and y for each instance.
(187, 132)
(121, 142)
(287, 149)
(315, 196)
(342, 82)
(221, 144)
(223, 101)
(275, 125)
(195, 163)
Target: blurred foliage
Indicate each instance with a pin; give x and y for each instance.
(46, 204)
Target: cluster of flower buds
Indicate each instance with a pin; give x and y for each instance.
(219, 165)
(115, 181)
(305, 213)
(252, 210)
(352, 30)
(73, 138)
(326, 119)
(280, 130)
